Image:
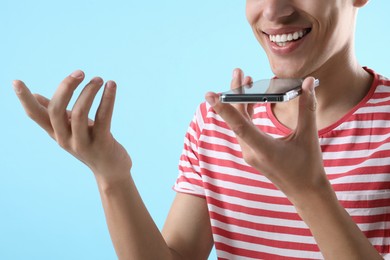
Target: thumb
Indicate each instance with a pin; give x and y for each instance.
(307, 108)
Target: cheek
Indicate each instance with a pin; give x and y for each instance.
(251, 11)
(249, 15)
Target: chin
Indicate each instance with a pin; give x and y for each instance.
(287, 73)
(287, 70)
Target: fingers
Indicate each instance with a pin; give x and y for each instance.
(79, 114)
(33, 106)
(42, 100)
(72, 130)
(238, 80)
(58, 104)
(62, 124)
(307, 108)
(238, 123)
(104, 113)
(237, 116)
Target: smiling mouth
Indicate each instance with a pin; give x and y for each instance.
(282, 39)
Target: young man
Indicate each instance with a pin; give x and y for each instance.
(305, 179)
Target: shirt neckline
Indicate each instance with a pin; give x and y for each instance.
(285, 130)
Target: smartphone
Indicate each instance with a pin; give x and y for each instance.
(265, 90)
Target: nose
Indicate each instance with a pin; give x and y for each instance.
(274, 10)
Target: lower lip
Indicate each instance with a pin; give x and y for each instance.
(289, 48)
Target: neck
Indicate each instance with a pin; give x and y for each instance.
(343, 84)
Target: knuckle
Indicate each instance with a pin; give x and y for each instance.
(63, 143)
(79, 149)
(249, 158)
(102, 116)
(30, 114)
(250, 161)
(53, 109)
(257, 161)
(77, 114)
(239, 130)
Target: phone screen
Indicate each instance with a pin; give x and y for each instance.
(270, 86)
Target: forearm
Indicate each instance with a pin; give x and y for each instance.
(336, 234)
(133, 231)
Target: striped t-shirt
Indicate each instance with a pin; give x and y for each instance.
(251, 218)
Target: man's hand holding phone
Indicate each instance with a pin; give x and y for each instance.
(293, 163)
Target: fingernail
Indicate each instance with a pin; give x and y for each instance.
(17, 89)
(110, 84)
(211, 100)
(311, 87)
(97, 80)
(78, 74)
(235, 73)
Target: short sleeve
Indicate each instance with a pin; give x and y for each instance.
(190, 179)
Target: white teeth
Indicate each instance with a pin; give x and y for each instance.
(281, 44)
(281, 39)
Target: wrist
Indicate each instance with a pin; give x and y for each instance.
(307, 190)
(109, 180)
(310, 198)
(321, 203)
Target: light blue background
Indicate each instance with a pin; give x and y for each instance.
(164, 55)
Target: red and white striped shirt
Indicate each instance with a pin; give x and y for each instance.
(251, 218)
